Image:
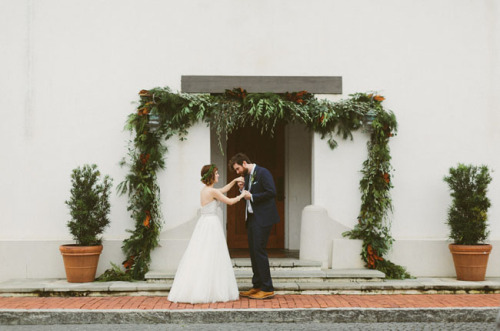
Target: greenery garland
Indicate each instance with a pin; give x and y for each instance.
(177, 112)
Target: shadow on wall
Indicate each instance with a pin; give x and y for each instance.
(317, 233)
(173, 243)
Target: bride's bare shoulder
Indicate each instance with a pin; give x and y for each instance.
(207, 192)
(207, 195)
(207, 189)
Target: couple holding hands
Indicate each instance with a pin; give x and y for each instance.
(205, 273)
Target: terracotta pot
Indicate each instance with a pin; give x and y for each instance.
(470, 261)
(80, 262)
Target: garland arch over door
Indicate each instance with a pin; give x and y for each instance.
(174, 113)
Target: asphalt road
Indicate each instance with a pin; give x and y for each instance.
(258, 326)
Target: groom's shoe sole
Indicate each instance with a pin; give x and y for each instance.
(249, 292)
(262, 295)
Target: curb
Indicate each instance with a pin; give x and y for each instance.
(205, 316)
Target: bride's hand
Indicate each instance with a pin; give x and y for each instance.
(240, 181)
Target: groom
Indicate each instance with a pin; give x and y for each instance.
(261, 214)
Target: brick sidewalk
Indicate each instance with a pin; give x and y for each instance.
(278, 302)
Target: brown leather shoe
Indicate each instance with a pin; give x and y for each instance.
(261, 295)
(249, 292)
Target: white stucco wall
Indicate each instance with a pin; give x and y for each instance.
(70, 70)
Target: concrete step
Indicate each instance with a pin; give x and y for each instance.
(60, 287)
(278, 264)
(285, 270)
(244, 276)
(243, 268)
(290, 273)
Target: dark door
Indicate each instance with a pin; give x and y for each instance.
(268, 152)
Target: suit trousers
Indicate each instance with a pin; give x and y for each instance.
(257, 242)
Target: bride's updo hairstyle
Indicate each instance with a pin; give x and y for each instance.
(208, 174)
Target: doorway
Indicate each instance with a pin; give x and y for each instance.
(266, 151)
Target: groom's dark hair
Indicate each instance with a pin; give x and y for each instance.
(238, 158)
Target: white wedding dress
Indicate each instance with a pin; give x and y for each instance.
(205, 273)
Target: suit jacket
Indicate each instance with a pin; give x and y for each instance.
(263, 193)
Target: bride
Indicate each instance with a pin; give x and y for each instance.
(205, 273)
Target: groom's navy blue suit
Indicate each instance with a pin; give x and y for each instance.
(259, 224)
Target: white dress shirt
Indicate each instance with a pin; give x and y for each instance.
(249, 206)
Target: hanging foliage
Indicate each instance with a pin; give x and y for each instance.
(175, 113)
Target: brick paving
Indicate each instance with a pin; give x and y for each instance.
(278, 302)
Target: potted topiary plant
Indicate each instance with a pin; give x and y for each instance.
(89, 208)
(467, 218)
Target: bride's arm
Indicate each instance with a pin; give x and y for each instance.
(226, 188)
(217, 194)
